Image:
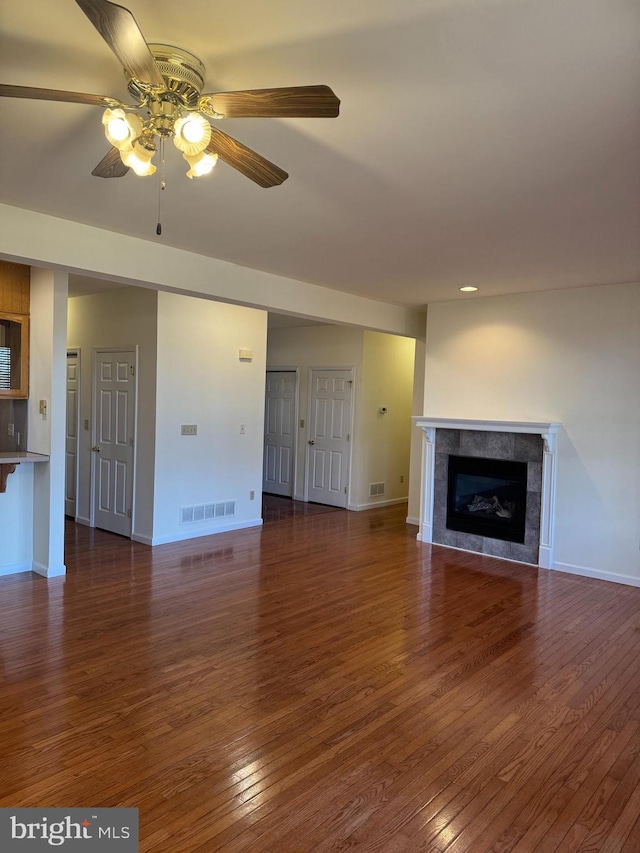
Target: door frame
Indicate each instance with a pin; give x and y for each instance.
(77, 352)
(94, 430)
(296, 415)
(352, 370)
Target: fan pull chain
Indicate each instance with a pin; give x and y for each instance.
(161, 185)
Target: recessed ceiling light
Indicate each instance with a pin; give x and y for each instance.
(469, 288)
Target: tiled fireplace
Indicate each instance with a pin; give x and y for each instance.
(489, 487)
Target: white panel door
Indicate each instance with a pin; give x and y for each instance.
(114, 388)
(329, 436)
(279, 432)
(73, 414)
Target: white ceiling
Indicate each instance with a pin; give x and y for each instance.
(486, 142)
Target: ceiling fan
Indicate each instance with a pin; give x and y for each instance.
(166, 83)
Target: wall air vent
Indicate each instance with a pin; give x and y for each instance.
(376, 489)
(206, 512)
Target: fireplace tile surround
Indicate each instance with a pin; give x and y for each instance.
(498, 445)
(526, 441)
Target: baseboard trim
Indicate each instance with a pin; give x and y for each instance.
(585, 572)
(567, 568)
(15, 568)
(49, 571)
(411, 520)
(81, 520)
(373, 505)
(196, 534)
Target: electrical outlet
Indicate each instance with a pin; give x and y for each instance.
(10, 429)
(402, 478)
(252, 495)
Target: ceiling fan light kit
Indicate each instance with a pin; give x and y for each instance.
(166, 83)
(135, 139)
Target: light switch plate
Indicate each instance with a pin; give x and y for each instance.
(189, 429)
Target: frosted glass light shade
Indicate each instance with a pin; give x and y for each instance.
(192, 133)
(200, 164)
(121, 129)
(138, 158)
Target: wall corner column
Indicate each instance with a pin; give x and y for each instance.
(48, 357)
(425, 533)
(545, 551)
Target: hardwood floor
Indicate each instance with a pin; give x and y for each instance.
(325, 683)
(277, 508)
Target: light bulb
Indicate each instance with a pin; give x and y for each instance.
(192, 130)
(120, 129)
(200, 164)
(191, 133)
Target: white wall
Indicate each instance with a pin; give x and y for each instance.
(383, 376)
(417, 408)
(45, 241)
(202, 381)
(383, 441)
(124, 317)
(188, 372)
(36, 238)
(571, 356)
(32, 508)
(16, 522)
(47, 349)
(315, 346)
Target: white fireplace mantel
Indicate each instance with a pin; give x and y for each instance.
(547, 430)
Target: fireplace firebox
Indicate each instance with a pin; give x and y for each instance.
(487, 497)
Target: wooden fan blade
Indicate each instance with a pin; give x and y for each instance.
(291, 102)
(111, 166)
(119, 29)
(8, 91)
(245, 160)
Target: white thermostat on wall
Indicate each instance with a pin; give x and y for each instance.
(245, 354)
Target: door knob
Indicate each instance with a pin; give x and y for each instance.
(311, 441)
(96, 449)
